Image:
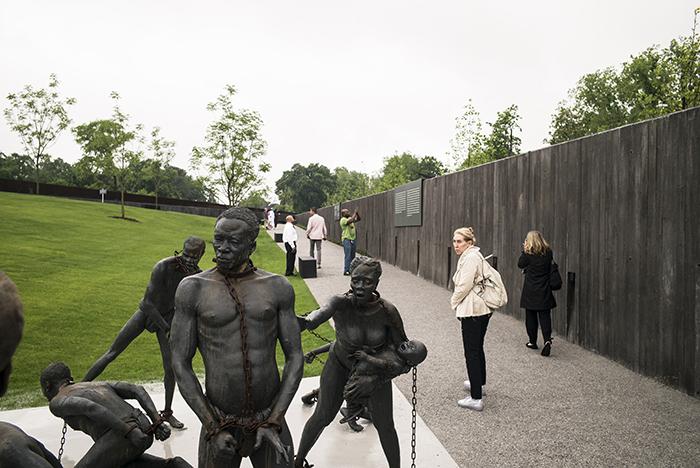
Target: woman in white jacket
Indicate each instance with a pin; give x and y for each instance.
(472, 312)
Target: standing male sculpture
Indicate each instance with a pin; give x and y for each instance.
(155, 314)
(235, 314)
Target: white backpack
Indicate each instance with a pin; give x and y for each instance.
(490, 286)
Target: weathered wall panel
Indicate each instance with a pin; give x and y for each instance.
(622, 212)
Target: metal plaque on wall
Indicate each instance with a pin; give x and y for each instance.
(336, 212)
(408, 204)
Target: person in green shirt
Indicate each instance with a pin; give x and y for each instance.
(348, 237)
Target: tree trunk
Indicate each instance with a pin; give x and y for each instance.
(36, 175)
(123, 217)
(157, 200)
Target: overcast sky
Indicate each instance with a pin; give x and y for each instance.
(339, 83)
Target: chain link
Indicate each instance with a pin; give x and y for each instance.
(320, 337)
(414, 401)
(63, 440)
(247, 372)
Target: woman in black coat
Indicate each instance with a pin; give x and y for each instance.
(537, 298)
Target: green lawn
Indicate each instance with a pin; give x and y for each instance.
(81, 274)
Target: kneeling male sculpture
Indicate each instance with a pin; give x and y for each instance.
(121, 432)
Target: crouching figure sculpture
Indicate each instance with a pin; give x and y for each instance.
(121, 432)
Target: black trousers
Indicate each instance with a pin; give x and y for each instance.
(544, 317)
(291, 256)
(473, 333)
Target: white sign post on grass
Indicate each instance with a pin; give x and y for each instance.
(102, 192)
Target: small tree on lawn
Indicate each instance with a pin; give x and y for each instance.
(162, 153)
(233, 149)
(38, 116)
(111, 146)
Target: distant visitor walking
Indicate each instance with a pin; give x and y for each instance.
(316, 233)
(348, 237)
(537, 299)
(289, 237)
(473, 314)
(271, 218)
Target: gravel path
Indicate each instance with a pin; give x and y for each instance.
(575, 408)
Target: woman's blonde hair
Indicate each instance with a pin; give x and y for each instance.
(467, 233)
(535, 244)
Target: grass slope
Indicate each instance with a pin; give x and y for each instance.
(81, 275)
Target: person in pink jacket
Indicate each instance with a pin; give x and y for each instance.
(316, 233)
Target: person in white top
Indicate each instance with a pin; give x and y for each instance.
(316, 233)
(271, 218)
(289, 237)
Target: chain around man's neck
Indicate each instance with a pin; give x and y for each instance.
(249, 268)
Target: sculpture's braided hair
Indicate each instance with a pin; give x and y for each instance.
(368, 262)
(245, 215)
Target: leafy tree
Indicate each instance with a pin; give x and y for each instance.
(503, 142)
(466, 147)
(16, 167)
(303, 187)
(38, 117)
(405, 167)
(162, 153)
(349, 185)
(471, 147)
(175, 182)
(110, 147)
(59, 172)
(233, 149)
(651, 84)
(99, 140)
(255, 200)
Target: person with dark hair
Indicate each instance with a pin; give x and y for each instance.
(235, 314)
(364, 322)
(537, 298)
(348, 237)
(121, 432)
(17, 449)
(289, 237)
(155, 314)
(316, 232)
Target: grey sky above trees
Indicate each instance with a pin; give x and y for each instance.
(341, 84)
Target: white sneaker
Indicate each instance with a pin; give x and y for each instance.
(468, 387)
(469, 403)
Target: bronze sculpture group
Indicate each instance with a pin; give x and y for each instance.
(234, 314)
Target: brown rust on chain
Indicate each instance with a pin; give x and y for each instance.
(248, 409)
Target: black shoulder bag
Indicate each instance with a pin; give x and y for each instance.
(555, 282)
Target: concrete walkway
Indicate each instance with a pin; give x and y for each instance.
(338, 447)
(574, 408)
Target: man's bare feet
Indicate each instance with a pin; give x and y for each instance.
(168, 417)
